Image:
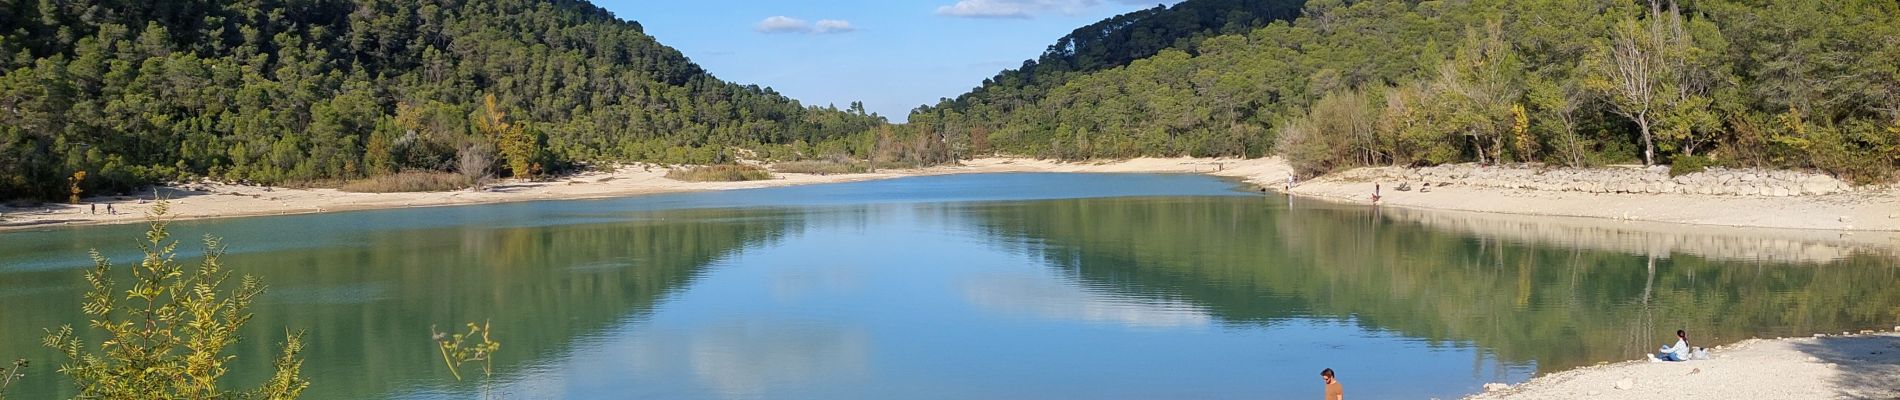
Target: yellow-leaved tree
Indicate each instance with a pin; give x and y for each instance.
(165, 336)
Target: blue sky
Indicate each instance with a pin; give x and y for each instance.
(893, 55)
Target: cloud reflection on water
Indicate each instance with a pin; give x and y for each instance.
(1041, 297)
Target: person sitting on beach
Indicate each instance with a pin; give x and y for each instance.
(1333, 392)
(1677, 352)
(1375, 192)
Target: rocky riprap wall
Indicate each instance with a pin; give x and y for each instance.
(1715, 181)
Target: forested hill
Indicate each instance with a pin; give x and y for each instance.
(1784, 84)
(134, 91)
(1110, 43)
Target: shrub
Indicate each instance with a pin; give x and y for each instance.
(463, 348)
(720, 173)
(408, 182)
(10, 374)
(1685, 164)
(820, 167)
(166, 337)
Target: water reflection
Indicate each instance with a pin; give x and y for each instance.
(1663, 240)
(1552, 297)
(1033, 296)
(368, 304)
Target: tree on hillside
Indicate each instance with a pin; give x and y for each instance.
(1484, 80)
(274, 92)
(1559, 105)
(1646, 72)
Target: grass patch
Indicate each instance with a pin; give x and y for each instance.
(408, 182)
(820, 167)
(720, 173)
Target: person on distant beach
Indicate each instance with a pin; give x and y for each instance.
(1333, 392)
(1289, 182)
(110, 210)
(1677, 352)
(1375, 192)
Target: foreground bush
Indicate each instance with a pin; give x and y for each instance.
(408, 182)
(720, 173)
(165, 336)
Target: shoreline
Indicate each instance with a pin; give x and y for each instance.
(1863, 211)
(1860, 365)
(197, 201)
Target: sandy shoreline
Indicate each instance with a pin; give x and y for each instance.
(1858, 366)
(1864, 210)
(216, 200)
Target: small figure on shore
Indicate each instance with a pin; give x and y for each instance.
(110, 210)
(95, 209)
(1333, 392)
(1677, 352)
(1289, 182)
(1375, 193)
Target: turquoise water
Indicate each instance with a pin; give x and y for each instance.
(965, 286)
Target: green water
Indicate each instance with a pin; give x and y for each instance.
(974, 286)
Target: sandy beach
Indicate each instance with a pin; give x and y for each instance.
(1857, 366)
(1865, 209)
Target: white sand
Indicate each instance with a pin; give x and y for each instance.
(1865, 209)
(1861, 366)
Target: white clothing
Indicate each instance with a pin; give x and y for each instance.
(1681, 349)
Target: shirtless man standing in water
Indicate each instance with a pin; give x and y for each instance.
(1333, 392)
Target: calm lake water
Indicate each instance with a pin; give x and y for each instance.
(970, 286)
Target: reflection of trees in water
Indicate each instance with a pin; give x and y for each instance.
(368, 307)
(1556, 305)
(1715, 242)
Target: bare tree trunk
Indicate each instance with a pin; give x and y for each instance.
(1649, 143)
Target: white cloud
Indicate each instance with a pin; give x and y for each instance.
(784, 24)
(834, 26)
(1016, 8)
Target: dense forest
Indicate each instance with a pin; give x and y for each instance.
(1114, 42)
(101, 96)
(286, 91)
(1788, 84)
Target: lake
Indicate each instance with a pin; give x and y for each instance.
(996, 286)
